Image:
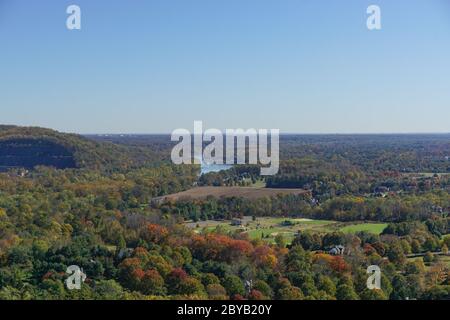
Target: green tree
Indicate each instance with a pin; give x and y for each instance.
(108, 290)
(233, 285)
(346, 292)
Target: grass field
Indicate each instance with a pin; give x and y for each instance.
(267, 228)
(258, 184)
(375, 228)
(441, 258)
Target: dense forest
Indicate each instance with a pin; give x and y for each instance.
(98, 214)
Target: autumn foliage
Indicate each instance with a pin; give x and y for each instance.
(220, 247)
(154, 233)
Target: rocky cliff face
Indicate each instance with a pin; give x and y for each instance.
(27, 147)
(28, 153)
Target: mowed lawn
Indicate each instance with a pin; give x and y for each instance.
(267, 228)
(375, 228)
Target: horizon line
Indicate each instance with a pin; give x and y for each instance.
(281, 134)
(223, 130)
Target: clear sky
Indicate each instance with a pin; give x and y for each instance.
(307, 66)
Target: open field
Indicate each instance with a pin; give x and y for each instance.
(376, 228)
(425, 174)
(219, 192)
(441, 258)
(267, 228)
(258, 184)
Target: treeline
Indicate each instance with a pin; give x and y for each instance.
(344, 208)
(236, 207)
(238, 175)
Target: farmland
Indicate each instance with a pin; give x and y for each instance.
(219, 192)
(375, 228)
(267, 228)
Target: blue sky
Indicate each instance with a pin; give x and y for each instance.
(153, 66)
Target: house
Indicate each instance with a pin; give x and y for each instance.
(381, 191)
(236, 222)
(125, 253)
(337, 250)
(157, 200)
